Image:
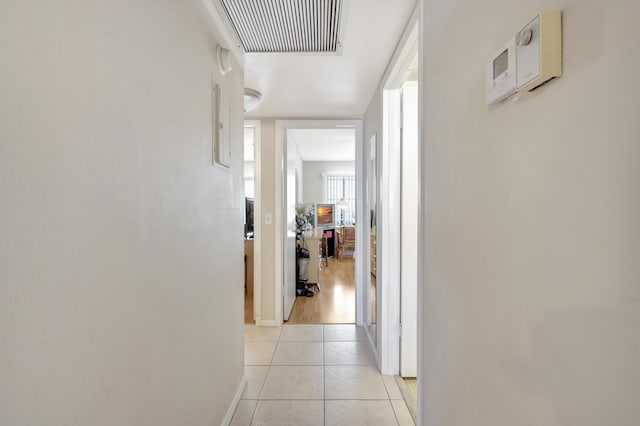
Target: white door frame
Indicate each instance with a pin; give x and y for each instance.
(388, 292)
(289, 229)
(281, 133)
(422, 200)
(257, 223)
(409, 236)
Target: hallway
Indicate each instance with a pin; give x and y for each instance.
(123, 197)
(316, 375)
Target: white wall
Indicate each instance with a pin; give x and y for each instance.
(121, 250)
(298, 165)
(268, 198)
(313, 177)
(532, 295)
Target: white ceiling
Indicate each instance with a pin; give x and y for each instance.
(324, 144)
(296, 85)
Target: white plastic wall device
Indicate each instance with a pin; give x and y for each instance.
(225, 61)
(539, 51)
(501, 73)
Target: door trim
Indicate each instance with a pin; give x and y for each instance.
(388, 293)
(281, 128)
(257, 222)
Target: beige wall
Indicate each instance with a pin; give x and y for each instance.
(268, 198)
(532, 294)
(121, 248)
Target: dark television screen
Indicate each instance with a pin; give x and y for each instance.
(248, 216)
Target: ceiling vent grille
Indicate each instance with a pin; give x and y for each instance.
(291, 26)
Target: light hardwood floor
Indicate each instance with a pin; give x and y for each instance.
(335, 303)
(248, 308)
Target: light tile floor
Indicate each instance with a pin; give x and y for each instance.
(316, 375)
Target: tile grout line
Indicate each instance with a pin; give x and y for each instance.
(253, 413)
(390, 403)
(394, 413)
(324, 384)
(265, 378)
(268, 371)
(255, 409)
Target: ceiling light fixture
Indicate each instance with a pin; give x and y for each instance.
(251, 99)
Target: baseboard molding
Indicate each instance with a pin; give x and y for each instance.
(234, 403)
(267, 323)
(373, 347)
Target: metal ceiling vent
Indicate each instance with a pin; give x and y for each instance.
(291, 26)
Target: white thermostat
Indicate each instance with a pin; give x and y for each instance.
(501, 73)
(539, 51)
(528, 60)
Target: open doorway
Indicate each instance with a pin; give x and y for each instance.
(321, 201)
(399, 228)
(252, 212)
(325, 207)
(409, 224)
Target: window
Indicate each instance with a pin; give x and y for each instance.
(249, 187)
(338, 188)
(249, 177)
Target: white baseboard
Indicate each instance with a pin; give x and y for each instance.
(374, 349)
(267, 323)
(234, 404)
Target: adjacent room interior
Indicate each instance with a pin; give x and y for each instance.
(322, 184)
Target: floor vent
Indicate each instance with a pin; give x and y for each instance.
(286, 26)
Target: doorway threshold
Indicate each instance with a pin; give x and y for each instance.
(409, 390)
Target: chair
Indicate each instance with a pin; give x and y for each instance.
(324, 250)
(346, 240)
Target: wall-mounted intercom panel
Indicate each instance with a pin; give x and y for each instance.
(501, 73)
(529, 59)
